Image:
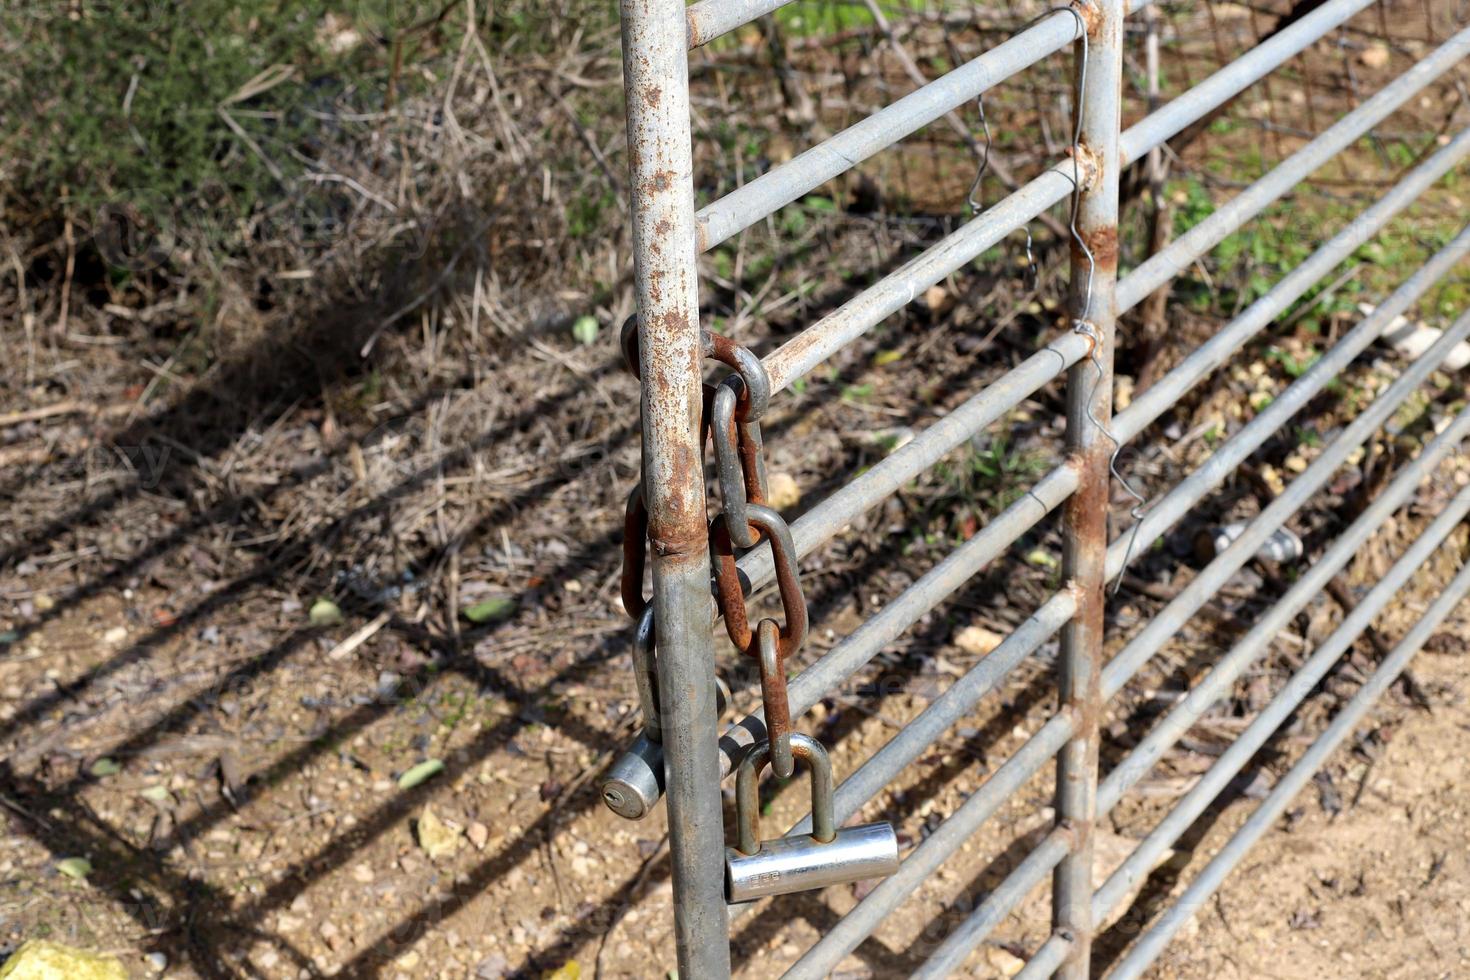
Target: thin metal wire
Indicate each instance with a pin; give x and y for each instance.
(1082, 324)
(973, 197)
(1076, 177)
(976, 200)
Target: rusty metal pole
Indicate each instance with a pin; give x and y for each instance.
(656, 85)
(1089, 409)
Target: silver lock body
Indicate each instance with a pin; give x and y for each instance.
(755, 868)
(793, 864)
(633, 785)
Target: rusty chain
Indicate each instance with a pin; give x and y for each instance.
(731, 419)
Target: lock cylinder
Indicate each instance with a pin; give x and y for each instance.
(795, 864)
(756, 869)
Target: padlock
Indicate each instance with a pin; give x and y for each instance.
(755, 868)
(635, 782)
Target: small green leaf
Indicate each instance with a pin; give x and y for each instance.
(1042, 557)
(77, 868)
(885, 357)
(491, 610)
(155, 793)
(420, 772)
(105, 767)
(8, 637)
(325, 612)
(584, 330)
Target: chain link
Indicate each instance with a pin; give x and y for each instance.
(731, 419)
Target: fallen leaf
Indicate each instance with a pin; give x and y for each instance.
(782, 491)
(324, 612)
(1375, 56)
(42, 958)
(571, 970)
(420, 773)
(938, 299)
(584, 330)
(105, 767)
(437, 838)
(491, 610)
(977, 640)
(77, 868)
(1042, 557)
(1004, 964)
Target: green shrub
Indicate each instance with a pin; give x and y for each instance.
(190, 113)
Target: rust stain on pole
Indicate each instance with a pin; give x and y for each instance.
(670, 355)
(1090, 445)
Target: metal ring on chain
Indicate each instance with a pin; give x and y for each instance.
(773, 698)
(730, 593)
(645, 675)
(635, 553)
(731, 414)
(755, 397)
(740, 465)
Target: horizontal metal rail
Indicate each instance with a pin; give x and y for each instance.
(1030, 873)
(1183, 251)
(1174, 505)
(893, 292)
(853, 319)
(710, 19)
(1217, 682)
(1239, 75)
(957, 701)
(947, 709)
(961, 565)
(1045, 960)
(822, 522)
(1152, 942)
(1193, 487)
(833, 157)
(1142, 860)
(945, 960)
(925, 859)
(809, 170)
(1162, 395)
(1138, 864)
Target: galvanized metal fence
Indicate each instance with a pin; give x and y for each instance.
(683, 757)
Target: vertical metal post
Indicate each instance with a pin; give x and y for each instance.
(656, 84)
(1089, 409)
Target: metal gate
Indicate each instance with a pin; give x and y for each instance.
(683, 756)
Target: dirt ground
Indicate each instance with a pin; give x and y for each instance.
(1378, 889)
(256, 827)
(209, 772)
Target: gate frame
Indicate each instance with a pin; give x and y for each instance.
(656, 78)
(694, 757)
